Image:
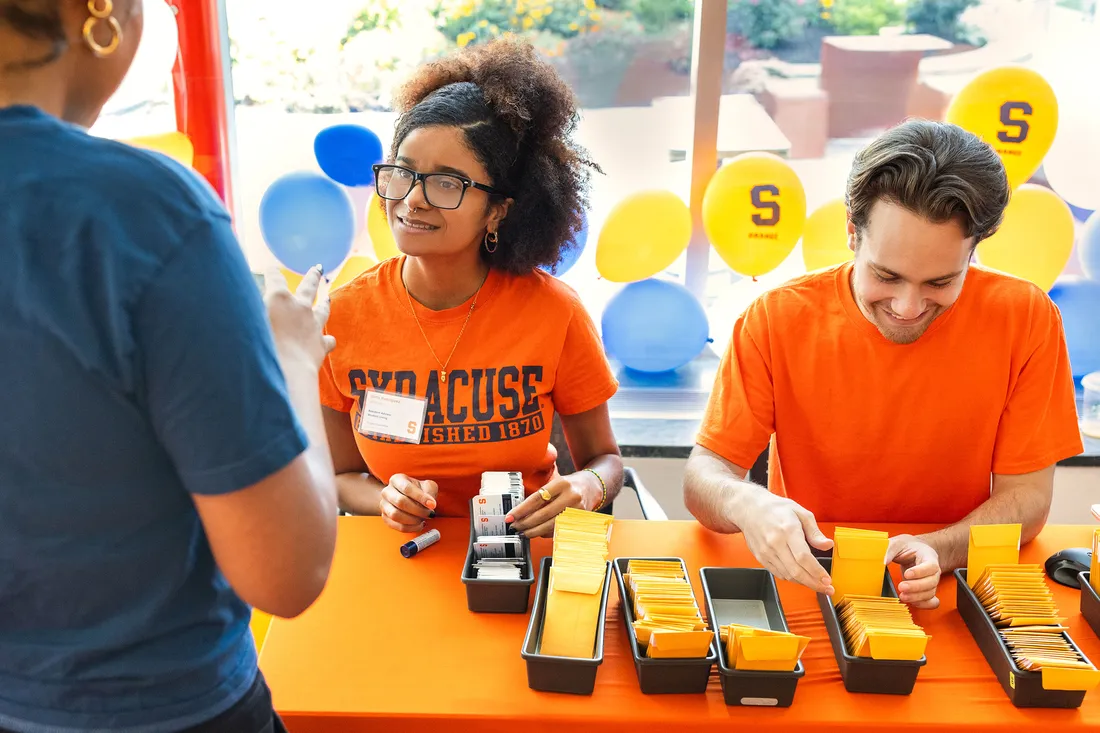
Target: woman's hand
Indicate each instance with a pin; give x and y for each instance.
(406, 503)
(534, 517)
(298, 325)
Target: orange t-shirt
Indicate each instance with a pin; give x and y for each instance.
(530, 348)
(871, 431)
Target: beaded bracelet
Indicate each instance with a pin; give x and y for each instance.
(602, 485)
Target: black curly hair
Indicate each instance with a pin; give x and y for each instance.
(39, 20)
(518, 117)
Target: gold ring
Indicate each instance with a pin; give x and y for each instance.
(546, 495)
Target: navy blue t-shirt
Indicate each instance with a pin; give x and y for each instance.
(137, 368)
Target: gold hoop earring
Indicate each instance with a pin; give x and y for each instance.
(94, 16)
(491, 238)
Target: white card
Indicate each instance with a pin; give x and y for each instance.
(496, 482)
(396, 416)
(491, 525)
(493, 504)
(497, 547)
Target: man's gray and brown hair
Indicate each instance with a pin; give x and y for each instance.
(936, 170)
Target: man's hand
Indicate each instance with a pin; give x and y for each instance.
(779, 533)
(920, 570)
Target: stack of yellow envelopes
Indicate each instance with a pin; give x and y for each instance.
(667, 621)
(1045, 650)
(859, 562)
(991, 544)
(1017, 595)
(880, 628)
(762, 650)
(1017, 599)
(576, 584)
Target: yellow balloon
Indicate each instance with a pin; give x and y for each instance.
(825, 240)
(259, 624)
(754, 211)
(353, 267)
(175, 145)
(379, 229)
(643, 235)
(1014, 109)
(293, 279)
(1035, 240)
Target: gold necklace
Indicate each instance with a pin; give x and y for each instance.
(442, 364)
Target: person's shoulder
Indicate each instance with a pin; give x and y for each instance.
(545, 289)
(812, 290)
(134, 208)
(105, 179)
(1004, 300)
(144, 183)
(370, 286)
(998, 291)
(996, 285)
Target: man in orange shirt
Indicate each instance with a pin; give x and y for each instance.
(906, 386)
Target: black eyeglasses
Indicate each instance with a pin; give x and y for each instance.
(442, 190)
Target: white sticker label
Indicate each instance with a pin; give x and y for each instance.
(395, 416)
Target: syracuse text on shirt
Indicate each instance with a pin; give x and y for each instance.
(484, 405)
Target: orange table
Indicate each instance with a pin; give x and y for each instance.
(390, 646)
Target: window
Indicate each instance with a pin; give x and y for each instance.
(808, 80)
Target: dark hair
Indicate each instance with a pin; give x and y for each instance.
(518, 117)
(37, 19)
(934, 169)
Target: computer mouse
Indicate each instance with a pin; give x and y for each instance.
(1062, 567)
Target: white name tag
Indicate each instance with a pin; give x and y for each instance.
(394, 415)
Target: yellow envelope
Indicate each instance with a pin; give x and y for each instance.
(569, 629)
(689, 611)
(1066, 678)
(859, 562)
(656, 568)
(575, 580)
(771, 653)
(679, 644)
(576, 584)
(991, 544)
(1094, 566)
(569, 625)
(897, 645)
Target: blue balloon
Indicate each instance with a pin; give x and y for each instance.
(346, 154)
(306, 220)
(654, 326)
(1088, 247)
(1079, 301)
(573, 250)
(1078, 213)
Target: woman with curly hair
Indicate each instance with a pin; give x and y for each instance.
(463, 334)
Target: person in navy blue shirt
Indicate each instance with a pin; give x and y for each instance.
(163, 462)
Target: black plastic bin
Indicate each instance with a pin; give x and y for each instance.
(746, 687)
(863, 674)
(662, 676)
(496, 595)
(1090, 602)
(561, 674)
(1024, 689)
